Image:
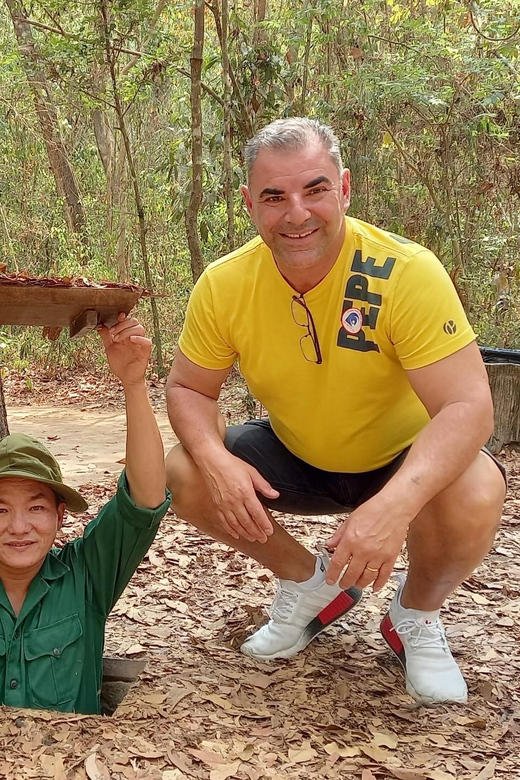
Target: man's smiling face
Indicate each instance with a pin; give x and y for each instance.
(297, 201)
(29, 522)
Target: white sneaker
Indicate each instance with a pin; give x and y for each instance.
(298, 614)
(418, 640)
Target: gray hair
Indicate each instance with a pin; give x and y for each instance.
(293, 133)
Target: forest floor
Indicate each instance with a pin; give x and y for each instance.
(202, 710)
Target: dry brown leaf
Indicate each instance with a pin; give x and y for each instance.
(302, 754)
(224, 771)
(59, 769)
(438, 739)
(380, 739)
(208, 756)
(173, 774)
(47, 764)
(259, 680)
(218, 700)
(478, 599)
(155, 698)
(488, 771)
(367, 774)
(95, 769)
(332, 748)
(145, 751)
(405, 774)
(180, 761)
(245, 752)
(374, 752)
(135, 649)
(176, 695)
(439, 774)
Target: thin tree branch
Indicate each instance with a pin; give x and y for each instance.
(405, 46)
(486, 37)
(122, 50)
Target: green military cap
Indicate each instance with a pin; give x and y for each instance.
(26, 458)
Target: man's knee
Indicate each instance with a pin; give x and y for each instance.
(182, 478)
(477, 496)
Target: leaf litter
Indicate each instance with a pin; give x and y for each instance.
(338, 710)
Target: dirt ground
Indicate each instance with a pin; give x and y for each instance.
(201, 709)
(88, 443)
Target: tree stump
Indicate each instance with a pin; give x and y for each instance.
(504, 379)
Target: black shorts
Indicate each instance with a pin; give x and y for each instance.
(304, 489)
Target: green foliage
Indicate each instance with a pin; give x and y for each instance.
(424, 95)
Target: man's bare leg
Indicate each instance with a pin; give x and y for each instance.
(282, 554)
(446, 542)
(452, 534)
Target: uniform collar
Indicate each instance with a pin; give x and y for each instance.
(52, 568)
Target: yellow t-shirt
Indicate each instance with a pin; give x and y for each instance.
(385, 307)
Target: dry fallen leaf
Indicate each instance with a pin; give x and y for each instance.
(439, 774)
(488, 771)
(218, 700)
(208, 756)
(374, 752)
(135, 649)
(343, 752)
(259, 680)
(380, 739)
(405, 774)
(302, 754)
(224, 771)
(95, 769)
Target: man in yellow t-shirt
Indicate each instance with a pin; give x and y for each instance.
(356, 343)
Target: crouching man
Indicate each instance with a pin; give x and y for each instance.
(54, 603)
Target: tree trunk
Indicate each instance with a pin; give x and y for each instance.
(113, 156)
(227, 159)
(192, 211)
(308, 38)
(48, 119)
(119, 208)
(4, 429)
(504, 379)
(260, 35)
(135, 183)
(243, 117)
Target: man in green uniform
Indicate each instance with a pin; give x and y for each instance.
(54, 603)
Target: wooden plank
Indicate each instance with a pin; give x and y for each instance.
(83, 324)
(61, 306)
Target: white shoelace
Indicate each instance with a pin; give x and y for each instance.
(422, 634)
(283, 604)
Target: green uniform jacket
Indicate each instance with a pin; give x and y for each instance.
(51, 654)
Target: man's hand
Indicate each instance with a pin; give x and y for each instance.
(232, 485)
(369, 541)
(127, 349)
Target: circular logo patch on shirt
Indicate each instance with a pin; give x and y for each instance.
(449, 328)
(352, 320)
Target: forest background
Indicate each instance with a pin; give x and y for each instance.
(122, 126)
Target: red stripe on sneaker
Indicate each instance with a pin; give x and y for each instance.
(391, 636)
(336, 608)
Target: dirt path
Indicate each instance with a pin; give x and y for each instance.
(88, 443)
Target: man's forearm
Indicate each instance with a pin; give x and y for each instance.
(197, 422)
(144, 449)
(443, 450)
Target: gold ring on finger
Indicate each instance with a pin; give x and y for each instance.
(369, 568)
